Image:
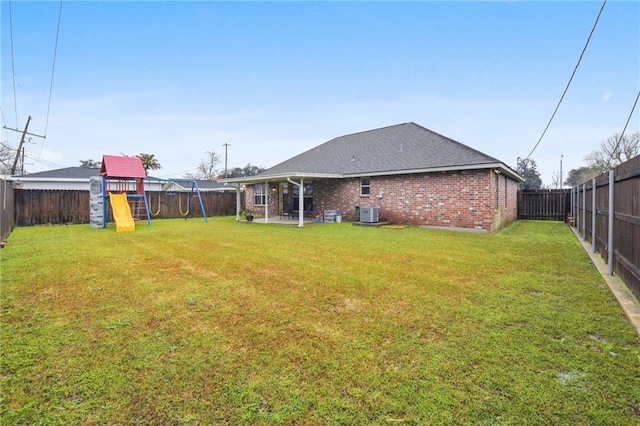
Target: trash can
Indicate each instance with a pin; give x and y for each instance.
(338, 218)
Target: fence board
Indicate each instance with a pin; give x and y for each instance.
(626, 216)
(6, 209)
(39, 207)
(543, 204)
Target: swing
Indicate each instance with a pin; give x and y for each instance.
(184, 214)
(157, 212)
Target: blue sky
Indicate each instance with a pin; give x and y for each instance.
(273, 79)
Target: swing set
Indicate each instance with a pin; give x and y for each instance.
(123, 184)
(178, 188)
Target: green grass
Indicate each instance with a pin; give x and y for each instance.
(235, 323)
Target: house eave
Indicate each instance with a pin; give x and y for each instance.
(483, 166)
(301, 175)
(281, 177)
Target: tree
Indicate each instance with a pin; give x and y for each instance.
(580, 175)
(149, 162)
(90, 163)
(208, 167)
(6, 157)
(527, 169)
(248, 170)
(614, 151)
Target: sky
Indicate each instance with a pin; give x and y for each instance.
(274, 79)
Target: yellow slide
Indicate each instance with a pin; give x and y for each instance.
(121, 212)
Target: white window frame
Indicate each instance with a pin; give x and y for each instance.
(259, 195)
(364, 185)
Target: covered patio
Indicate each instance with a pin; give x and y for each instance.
(284, 199)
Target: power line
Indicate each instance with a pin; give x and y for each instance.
(595, 24)
(13, 65)
(53, 68)
(633, 108)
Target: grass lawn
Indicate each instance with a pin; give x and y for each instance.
(235, 323)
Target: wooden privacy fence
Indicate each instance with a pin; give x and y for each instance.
(607, 214)
(6, 209)
(543, 204)
(39, 207)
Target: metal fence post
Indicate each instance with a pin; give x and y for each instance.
(611, 219)
(593, 215)
(584, 211)
(576, 208)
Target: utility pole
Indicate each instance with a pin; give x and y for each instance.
(20, 150)
(226, 145)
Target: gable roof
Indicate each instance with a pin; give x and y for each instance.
(122, 167)
(402, 148)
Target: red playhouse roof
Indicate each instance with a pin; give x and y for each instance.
(122, 167)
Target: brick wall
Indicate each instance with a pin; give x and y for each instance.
(477, 199)
(463, 199)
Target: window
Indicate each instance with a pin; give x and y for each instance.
(258, 195)
(365, 186)
(307, 195)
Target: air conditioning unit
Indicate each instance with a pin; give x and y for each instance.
(369, 214)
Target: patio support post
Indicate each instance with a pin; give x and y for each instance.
(593, 215)
(300, 200)
(238, 203)
(301, 204)
(611, 219)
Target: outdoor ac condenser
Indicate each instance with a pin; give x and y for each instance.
(369, 214)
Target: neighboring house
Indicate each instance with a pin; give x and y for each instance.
(411, 174)
(69, 178)
(77, 178)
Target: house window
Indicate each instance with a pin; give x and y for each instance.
(365, 186)
(307, 200)
(258, 195)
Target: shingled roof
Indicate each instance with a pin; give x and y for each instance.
(65, 173)
(402, 148)
(122, 167)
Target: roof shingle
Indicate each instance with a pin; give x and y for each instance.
(403, 147)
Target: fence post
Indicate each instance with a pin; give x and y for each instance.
(593, 215)
(577, 210)
(611, 219)
(584, 211)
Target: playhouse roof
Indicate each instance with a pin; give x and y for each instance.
(122, 167)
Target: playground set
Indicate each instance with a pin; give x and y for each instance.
(124, 183)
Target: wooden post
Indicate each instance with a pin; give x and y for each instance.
(24, 133)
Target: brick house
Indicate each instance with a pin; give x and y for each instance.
(411, 174)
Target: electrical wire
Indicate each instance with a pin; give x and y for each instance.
(595, 24)
(13, 64)
(633, 108)
(53, 68)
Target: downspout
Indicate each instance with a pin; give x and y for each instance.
(238, 200)
(300, 200)
(266, 202)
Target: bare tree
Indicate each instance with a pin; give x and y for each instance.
(614, 151)
(90, 163)
(208, 169)
(6, 157)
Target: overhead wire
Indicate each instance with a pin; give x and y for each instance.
(595, 24)
(53, 68)
(633, 108)
(13, 64)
